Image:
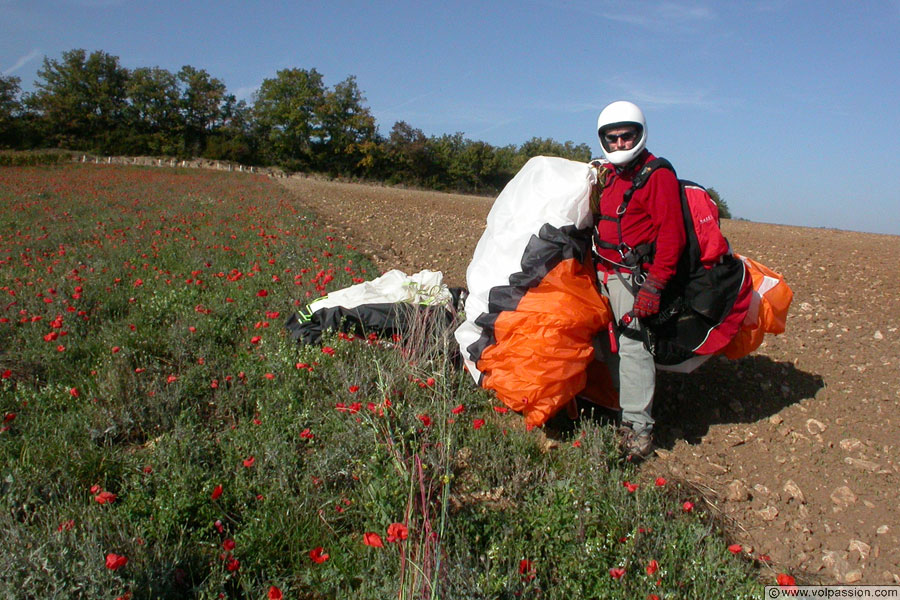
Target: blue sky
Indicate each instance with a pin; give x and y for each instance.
(790, 109)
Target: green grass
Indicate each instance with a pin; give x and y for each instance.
(144, 354)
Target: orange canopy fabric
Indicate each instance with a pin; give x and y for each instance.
(543, 348)
(768, 310)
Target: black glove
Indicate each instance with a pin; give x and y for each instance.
(646, 303)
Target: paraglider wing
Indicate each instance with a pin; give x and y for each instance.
(533, 305)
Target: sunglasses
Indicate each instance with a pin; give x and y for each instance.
(612, 138)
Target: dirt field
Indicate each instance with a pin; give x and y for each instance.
(795, 446)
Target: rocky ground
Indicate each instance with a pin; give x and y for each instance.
(795, 447)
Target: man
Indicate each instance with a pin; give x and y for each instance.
(638, 242)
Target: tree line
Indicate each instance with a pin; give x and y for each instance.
(90, 102)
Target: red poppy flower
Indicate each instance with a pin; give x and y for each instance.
(73, 392)
(105, 498)
(397, 532)
(115, 561)
(115, 349)
(785, 580)
(353, 389)
(501, 409)
(477, 423)
(525, 566)
(306, 435)
(8, 417)
(576, 444)
(652, 567)
(217, 491)
(262, 293)
(426, 420)
(429, 382)
(248, 462)
(233, 565)
(270, 376)
(275, 593)
(318, 555)
(735, 548)
(328, 350)
(228, 544)
(458, 409)
(617, 572)
(631, 487)
(171, 379)
(6, 374)
(372, 539)
(255, 339)
(660, 481)
(219, 527)
(688, 506)
(652, 597)
(66, 525)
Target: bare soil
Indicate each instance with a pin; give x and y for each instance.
(795, 447)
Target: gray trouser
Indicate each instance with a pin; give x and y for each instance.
(632, 368)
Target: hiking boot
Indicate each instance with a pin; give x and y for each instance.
(635, 446)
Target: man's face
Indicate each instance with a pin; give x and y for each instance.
(620, 138)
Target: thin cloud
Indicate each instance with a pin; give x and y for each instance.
(497, 125)
(663, 15)
(22, 61)
(97, 3)
(662, 97)
(412, 100)
(409, 101)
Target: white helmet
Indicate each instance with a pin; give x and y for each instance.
(622, 114)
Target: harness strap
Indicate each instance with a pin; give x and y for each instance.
(632, 258)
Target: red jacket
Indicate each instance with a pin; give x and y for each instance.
(653, 214)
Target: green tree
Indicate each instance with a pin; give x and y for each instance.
(548, 147)
(81, 100)
(234, 140)
(408, 156)
(446, 150)
(346, 125)
(201, 102)
(287, 109)
(153, 111)
(724, 212)
(10, 110)
(477, 167)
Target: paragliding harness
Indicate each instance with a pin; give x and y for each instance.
(706, 284)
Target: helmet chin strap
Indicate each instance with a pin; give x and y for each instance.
(632, 164)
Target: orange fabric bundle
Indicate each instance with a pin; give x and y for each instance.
(543, 348)
(768, 310)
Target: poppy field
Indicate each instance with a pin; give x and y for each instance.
(163, 437)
